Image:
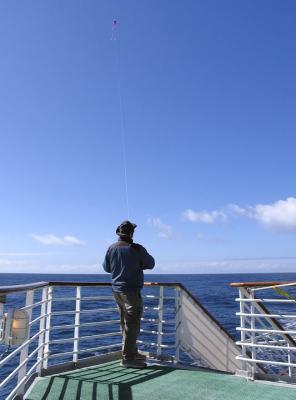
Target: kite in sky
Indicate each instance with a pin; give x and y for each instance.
(114, 30)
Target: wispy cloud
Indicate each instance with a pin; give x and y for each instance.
(205, 217)
(279, 216)
(22, 266)
(52, 240)
(164, 231)
(237, 210)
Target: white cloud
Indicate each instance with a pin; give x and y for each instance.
(206, 217)
(164, 231)
(52, 240)
(278, 216)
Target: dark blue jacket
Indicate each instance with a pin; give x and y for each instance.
(125, 261)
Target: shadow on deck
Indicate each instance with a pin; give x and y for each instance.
(112, 382)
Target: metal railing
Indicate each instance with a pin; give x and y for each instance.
(70, 321)
(267, 328)
(75, 323)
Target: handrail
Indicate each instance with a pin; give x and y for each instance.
(37, 285)
(260, 284)
(22, 288)
(78, 283)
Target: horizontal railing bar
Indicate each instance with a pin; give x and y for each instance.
(267, 315)
(167, 346)
(110, 322)
(84, 311)
(100, 335)
(259, 284)
(253, 360)
(57, 299)
(56, 355)
(148, 296)
(83, 337)
(65, 312)
(69, 353)
(99, 310)
(21, 347)
(38, 319)
(266, 346)
(22, 288)
(113, 321)
(265, 300)
(39, 303)
(99, 348)
(97, 298)
(87, 298)
(37, 285)
(274, 286)
(266, 331)
(15, 371)
(156, 321)
(65, 283)
(157, 333)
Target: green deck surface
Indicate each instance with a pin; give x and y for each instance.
(112, 382)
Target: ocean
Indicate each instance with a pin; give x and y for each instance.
(212, 290)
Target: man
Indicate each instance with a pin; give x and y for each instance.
(126, 260)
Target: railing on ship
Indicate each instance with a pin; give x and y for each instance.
(268, 328)
(68, 321)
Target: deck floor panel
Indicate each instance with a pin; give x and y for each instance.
(112, 382)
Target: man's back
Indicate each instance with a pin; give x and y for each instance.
(125, 261)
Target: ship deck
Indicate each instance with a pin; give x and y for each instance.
(110, 381)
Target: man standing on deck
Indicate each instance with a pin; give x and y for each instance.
(126, 260)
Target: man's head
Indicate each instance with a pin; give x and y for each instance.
(126, 229)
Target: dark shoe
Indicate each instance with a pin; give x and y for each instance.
(133, 364)
(140, 357)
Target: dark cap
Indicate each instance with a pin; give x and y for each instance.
(125, 228)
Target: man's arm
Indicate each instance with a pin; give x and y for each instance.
(147, 260)
(106, 263)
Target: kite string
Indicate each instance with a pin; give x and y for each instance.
(122, 123)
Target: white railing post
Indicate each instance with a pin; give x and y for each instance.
(77, 325)
(41, 339)
(1, 316)
(177, 324)
(24, 352)
(47, 326)
(243, 325)
(160, 318)
(253, 335)
(289, 360)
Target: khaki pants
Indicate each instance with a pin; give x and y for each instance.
(130, 308)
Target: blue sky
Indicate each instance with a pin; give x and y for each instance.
(208, 90)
